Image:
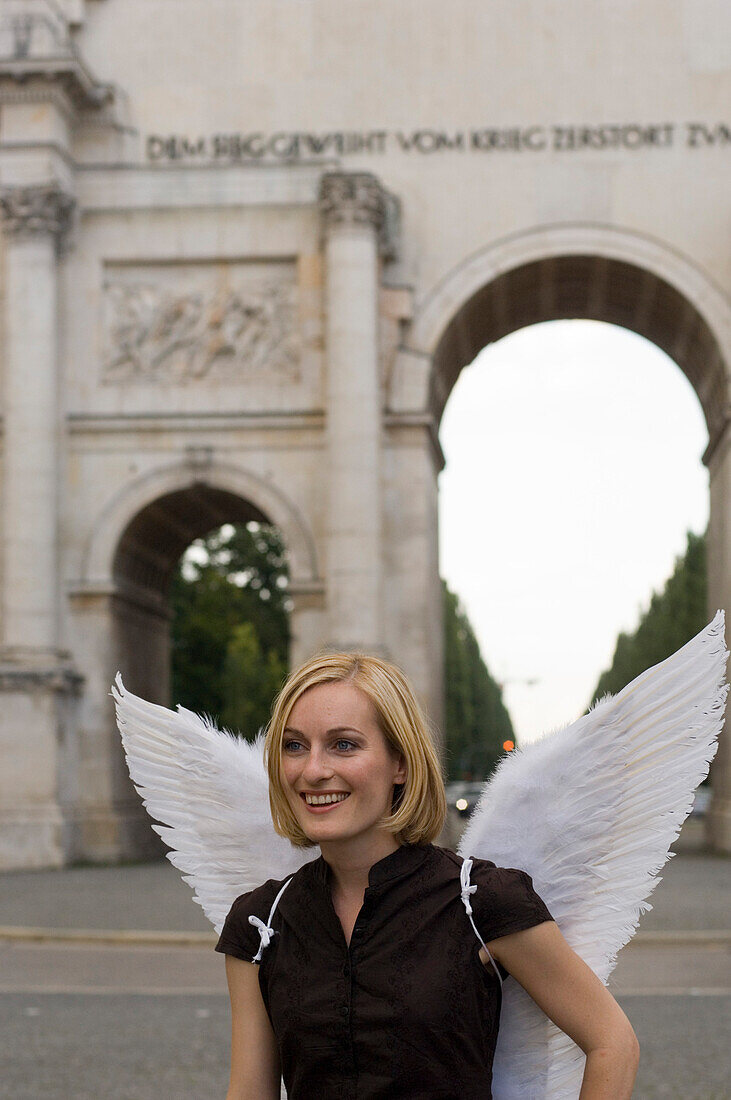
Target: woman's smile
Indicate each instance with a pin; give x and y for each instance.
(317, 803)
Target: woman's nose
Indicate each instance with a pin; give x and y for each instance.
(316, 766)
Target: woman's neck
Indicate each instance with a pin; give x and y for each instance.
(351, 860)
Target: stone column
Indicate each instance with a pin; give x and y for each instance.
(37, 686)
(718, 820)
(33, 219)
(353, 211)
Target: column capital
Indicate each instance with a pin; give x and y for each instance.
(351, 198)
(358, 198)
(38, 210)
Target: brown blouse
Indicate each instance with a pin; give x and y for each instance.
(407, 1011)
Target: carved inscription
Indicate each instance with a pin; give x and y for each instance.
(155, 333)
(259, 146)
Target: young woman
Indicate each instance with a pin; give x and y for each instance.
(376, 970)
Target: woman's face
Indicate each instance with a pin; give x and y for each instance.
(338, 770)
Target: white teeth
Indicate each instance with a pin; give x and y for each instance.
(323, 799)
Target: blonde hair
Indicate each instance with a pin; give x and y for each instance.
(420, 806)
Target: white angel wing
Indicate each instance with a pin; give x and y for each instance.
(590, 813)
(210, 790)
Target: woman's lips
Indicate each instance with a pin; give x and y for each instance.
(324, 807)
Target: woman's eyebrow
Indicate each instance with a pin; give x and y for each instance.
(335, 729)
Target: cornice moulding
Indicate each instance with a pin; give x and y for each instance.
(68, 73)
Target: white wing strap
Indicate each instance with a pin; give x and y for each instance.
(467, 889)
(265, 930)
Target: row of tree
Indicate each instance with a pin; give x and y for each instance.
(230, 641)
(673, 617)
(476, 721)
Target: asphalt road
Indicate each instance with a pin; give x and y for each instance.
(109, 1022)
(136, 1019)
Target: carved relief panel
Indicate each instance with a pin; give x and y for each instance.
(237, 322)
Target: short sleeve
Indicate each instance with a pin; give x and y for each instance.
(238, 937)
(505, 901)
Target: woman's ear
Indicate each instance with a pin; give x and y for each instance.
(403, 770)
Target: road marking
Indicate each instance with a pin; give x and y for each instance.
(156, 938)
(675, 991)
(122, 938)
(116, 990)
(210, 991)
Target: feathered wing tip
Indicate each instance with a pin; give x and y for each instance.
(210, 791)
(590, 812)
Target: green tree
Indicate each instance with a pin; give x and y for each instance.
(476, 719)
(673, 617)
(230, 630)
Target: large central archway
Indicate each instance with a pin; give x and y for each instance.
(603, 274)
(593, 287)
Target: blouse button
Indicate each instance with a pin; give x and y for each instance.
(344, 1011)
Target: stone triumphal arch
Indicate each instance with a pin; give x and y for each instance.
(240, 276)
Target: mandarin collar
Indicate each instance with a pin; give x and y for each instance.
(395, 865)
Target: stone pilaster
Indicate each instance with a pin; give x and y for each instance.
(34, 220)
(36, 686)
(48, 96)
(718, 819)
(353, 213)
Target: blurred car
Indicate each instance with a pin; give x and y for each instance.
(701, 802)
(463, 796)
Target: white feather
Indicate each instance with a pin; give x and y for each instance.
(210, 791)
(590, 813)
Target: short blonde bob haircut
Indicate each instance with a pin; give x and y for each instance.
(419, 806)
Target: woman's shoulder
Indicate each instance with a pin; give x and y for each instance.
(263, 896)
(451, 861)
(505, 889)
(503, 899)
(239, 935)
(258, 899)
(481, 869)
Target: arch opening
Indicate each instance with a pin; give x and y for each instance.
(155, 539)
(145, 560)
(592, 287)
(590, 441)
(142, 612)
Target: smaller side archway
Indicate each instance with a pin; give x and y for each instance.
(214, 480)
(120, 620)
(146, 555)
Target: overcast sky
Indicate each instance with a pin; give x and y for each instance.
(573, 472)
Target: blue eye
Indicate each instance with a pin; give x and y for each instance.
(345, 745)
(292, 746)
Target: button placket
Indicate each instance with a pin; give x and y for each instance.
(349, 1071)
